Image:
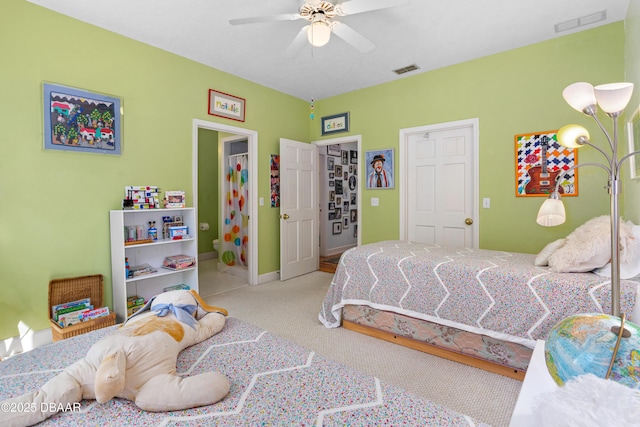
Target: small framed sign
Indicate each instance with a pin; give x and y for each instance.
(228, 106)
(336, 123)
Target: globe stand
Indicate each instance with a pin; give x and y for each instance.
(621, 332)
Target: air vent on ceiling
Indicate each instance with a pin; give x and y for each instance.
(582, 21)
(406, 69)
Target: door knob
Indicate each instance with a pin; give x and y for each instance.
(285, 216)
(468, 221)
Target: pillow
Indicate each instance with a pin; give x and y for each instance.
(543, 257)
(629, 256)
(588, 247)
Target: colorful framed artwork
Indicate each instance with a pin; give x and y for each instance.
(540, 162)
(335, 124)
(633, 136)
(228, 106)
(274, 169)
(379, 164)
(79, 120)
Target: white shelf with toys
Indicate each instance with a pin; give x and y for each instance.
(133, 249)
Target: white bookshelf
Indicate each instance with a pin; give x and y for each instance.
(152, 253)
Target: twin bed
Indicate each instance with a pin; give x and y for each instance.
(480, 307)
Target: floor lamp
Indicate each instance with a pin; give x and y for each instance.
(612, 98)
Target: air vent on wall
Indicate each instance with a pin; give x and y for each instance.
(406, 69)
(582, 21)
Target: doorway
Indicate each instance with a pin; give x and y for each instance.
(228, 133)
(342, 203)
(439, 184)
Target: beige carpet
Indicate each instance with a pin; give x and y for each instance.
(290, 309)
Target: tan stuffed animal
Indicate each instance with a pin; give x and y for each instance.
(138, 363)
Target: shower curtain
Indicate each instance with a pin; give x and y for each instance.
(234, 246)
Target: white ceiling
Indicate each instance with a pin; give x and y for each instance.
(431, 34)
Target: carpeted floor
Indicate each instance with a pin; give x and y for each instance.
(290, 309)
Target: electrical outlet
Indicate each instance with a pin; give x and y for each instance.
(375, 201)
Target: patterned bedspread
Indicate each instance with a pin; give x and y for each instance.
(273, 382)
(500, 294)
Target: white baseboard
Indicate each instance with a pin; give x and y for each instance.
(207, 255)
(28, 341)
(268, 277)
(338, 250)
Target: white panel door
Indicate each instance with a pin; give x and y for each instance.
(440, 187)
(298, 208)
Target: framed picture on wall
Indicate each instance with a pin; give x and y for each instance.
(337, 227)
(79, 120)
(541, 162)
(334, 150)
(379, 165)
(225, 105)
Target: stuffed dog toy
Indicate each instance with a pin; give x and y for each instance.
(137, 362)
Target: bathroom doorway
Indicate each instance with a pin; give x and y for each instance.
(213, 145)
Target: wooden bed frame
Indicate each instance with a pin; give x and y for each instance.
(436, 351)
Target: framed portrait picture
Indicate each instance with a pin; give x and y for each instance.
(380, 169)
(337, 227)
(353, 157)
(79, 120)
(228, 106)
(331, 161)
(345, 157)
(541, 162)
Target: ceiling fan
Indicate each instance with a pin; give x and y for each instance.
(320, 15)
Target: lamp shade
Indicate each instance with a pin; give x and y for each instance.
(570, 136)
(319, 32)
(613, 97)
(551, 213)
(579, 95)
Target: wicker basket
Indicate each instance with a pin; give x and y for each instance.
(72, 289)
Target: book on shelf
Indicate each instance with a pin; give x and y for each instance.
(178, 262)
(179, 287)
(140, 270)
(134, 301)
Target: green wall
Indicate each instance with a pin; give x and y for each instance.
(515, 92)
(55, 223)
(631, 196)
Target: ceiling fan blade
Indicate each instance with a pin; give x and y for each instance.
(298, 43)
(260, 19)
(352, 7)
(353, 37)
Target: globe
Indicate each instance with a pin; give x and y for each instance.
(584, 343)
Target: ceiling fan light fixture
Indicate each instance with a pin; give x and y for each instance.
(319, 32)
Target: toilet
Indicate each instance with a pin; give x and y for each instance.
(216, 242)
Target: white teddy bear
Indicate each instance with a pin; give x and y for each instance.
(137, 362)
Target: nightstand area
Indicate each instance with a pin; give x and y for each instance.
(537, 381)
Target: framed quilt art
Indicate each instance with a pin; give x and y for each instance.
(541, 162)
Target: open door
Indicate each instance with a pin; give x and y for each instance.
(298, 208)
